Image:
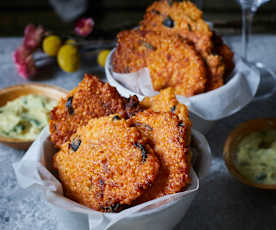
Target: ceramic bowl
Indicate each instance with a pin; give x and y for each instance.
(13, 92)
(233, 140)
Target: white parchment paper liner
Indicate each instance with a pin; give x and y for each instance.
(240, 88)
(35, 169)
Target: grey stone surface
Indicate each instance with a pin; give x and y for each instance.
(223, 203)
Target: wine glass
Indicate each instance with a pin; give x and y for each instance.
(249, 8)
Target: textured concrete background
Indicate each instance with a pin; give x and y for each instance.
(223, 203)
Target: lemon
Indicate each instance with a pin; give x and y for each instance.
(68, 58)
(102, 57)
(51, 45)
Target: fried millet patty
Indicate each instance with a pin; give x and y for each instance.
(172, 61)
(166, 101)
(167, 135)
(92, 98)
(106, 164)
(185, 19)
(223, 50)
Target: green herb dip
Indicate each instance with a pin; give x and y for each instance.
(256, 157)
(25, 117)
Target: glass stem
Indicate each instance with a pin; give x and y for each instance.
(247, 19)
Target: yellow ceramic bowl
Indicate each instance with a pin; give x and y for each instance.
(13, 92)
(233, 140)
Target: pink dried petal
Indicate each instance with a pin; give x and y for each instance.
(84, 26)
(28, 68)
(31, 65)
(23, 71)
(33, 36)
(20, 54)
(24, 62)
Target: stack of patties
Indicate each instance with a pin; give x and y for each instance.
(117, 152)
(177, 46)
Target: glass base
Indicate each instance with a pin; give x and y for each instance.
(267, 86)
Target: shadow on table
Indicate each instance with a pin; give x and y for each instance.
(46, 72)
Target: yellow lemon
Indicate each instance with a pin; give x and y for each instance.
(51, 45)
(102, 57)
(68, 58)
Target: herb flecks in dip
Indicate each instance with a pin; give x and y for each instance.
(25, 117)
(256, 157)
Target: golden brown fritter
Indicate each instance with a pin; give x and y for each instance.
(185, 19)
(92, 98)
(215, 72)
(106, 164)
(172, 62)
(166, 101)
(223, 50)
(167, 135)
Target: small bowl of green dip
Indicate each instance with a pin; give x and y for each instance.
(25, 111)
(250, 153)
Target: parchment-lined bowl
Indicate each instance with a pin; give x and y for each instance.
(13, 92)
(162, 213)
(205, 108)
(233, 140)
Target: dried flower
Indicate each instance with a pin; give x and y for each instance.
(33, 36)
(22, 56)
(84, 26)
(24, 62)
(28, 68)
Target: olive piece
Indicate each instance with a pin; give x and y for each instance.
(173, 108)
(168, 21)
(75, 144)
(101, 182)
(181, 124)
(148, 45)
(145, 126)
(69, 105)
(143, 150)
(156, 12)
(116, 118)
